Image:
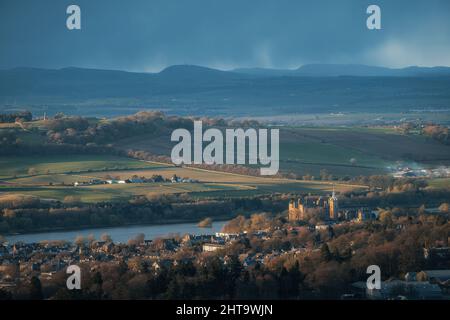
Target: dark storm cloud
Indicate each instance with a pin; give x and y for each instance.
(149, 35)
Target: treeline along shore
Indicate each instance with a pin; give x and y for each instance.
(25, 214)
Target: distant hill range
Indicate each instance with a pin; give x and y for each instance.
(355, 70)
(186, 89)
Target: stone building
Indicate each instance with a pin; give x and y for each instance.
(297, 210)
(365, 214)
(333, 207)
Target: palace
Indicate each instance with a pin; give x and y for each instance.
(298, 208)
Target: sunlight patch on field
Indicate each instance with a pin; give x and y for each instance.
(54, 176)
(20, 166)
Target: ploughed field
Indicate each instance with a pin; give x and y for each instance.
(52, 178)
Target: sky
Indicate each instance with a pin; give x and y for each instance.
(149, 35)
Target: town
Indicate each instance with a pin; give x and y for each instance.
(258, 243)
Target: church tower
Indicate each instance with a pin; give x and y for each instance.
(333, 206)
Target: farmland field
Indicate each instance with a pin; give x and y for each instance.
(342, 151)
(110, 192)
(54, 178)
(11, 167)
(441, 183)
(313, 151)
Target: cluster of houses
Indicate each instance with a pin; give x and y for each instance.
(433, 284)
(407, 172)
(20, 261)
(135, 179)
(423, 285)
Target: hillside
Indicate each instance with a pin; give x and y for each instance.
(204, 91)
(354, 70)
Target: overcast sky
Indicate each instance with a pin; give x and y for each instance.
(148, 35)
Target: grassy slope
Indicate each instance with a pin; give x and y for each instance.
(440, 183)
(19, 166)
(308, 150)
(302, 150)
(212, 183)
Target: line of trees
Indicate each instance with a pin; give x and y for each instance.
(27, 214)
(437, 132)
(16, 117)
(79, 130)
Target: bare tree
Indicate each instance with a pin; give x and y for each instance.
(106, 237)
(80, 240)
(91, 238)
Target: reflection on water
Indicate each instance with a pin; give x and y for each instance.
(120, 234)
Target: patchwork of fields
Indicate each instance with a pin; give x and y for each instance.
(305, 151)
(53, 178)
(42, 166)
(341, 151)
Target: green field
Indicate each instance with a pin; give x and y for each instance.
(340, 151)
(308, 150)
(111, 192)
(441, 183)
(14, 167)
(373, 150)
(55, 176)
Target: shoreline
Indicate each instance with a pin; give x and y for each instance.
(171, 222)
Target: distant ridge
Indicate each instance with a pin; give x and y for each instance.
(193, 72)
(190, 69)
(334, 70)
(355, 70)
(307, 70)
(265, 72)
(191, 89)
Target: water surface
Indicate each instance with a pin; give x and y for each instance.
(120, 234)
